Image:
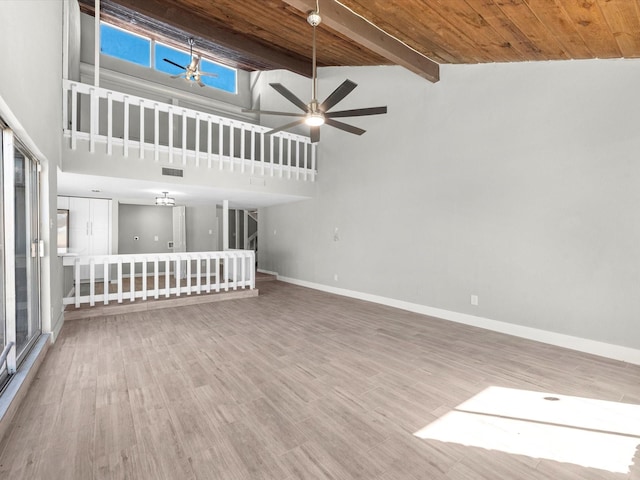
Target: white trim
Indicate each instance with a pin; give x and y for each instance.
(269, 272)
(55, 331)
(594, 347)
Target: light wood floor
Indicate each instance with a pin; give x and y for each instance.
(293, 384)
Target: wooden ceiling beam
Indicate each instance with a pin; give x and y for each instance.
(187, 21)
(339, 18)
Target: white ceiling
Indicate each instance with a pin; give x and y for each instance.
(144, 192)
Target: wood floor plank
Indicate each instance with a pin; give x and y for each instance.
(295, 384)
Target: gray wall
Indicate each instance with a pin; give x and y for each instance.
(514, 182)
(145, 222)
(202, 229)
(30, 101)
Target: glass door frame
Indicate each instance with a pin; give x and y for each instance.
(33, 251)
(9, 244)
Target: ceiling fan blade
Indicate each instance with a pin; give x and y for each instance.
(174, 63)
(338, 94)
(269, 112)
(286, 93)
(201, 84)
(315, 134)
(207, 74)
(358, 112)
(285, 127)
(344, 126)
(177, 76)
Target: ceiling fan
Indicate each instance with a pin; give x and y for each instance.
(316, 113)
(192, 71)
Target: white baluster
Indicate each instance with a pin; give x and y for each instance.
(93, 127)
(313, 162)
(156, 283)
(220, 143)
(217, 273)
(141, 128)
(209, 140)
(76, 281)
(156, 133)
(198, 273)
(306, 160)
(253, 149)
(74, 116)
(208, 284)
(125, 136)
(167, 283)
(109, 123)
(170, 128)
(132, 280)
(242, 148)
(197, 140)
(144, 279)
(280, 155)
(92, 282)
(289, 158)
(119, 280)
(178, 277)
(105, 281)
(271, 159)
(262, 159)
(189, 276)
(232, 145)
(184, 137)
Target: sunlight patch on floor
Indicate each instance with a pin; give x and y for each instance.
(582, 431)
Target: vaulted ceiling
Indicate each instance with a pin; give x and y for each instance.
(268, 34)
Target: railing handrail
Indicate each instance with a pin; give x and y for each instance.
(213, 271)
(71, 259)
(167, 107)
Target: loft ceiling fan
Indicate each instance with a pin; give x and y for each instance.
(192, 71)
(316, 113)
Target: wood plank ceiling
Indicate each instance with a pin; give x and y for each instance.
(267, 34)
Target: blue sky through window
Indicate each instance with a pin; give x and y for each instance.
(125, 45)
(226, 77)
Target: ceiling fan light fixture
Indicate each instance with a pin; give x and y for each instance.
(314, 119)
(165, 201)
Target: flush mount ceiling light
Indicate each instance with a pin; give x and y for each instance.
(165, 201)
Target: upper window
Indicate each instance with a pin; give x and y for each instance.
(134, 48)
(125, 45)
(222, 78)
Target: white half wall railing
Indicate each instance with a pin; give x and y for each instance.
(156, 275)
(129, 125)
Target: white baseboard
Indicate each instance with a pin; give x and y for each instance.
(268, 272)
(616, 352)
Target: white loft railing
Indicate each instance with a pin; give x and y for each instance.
(157, 275)
(179, 135)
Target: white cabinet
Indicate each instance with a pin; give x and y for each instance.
(89, 228)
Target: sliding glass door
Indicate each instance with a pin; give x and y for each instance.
(27, 246)
(3, 337)
(20, 252)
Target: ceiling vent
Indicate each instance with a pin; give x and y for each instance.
(172, 172)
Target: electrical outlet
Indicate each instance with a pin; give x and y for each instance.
(474, 300)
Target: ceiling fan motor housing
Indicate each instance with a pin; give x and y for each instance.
(314, 19)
